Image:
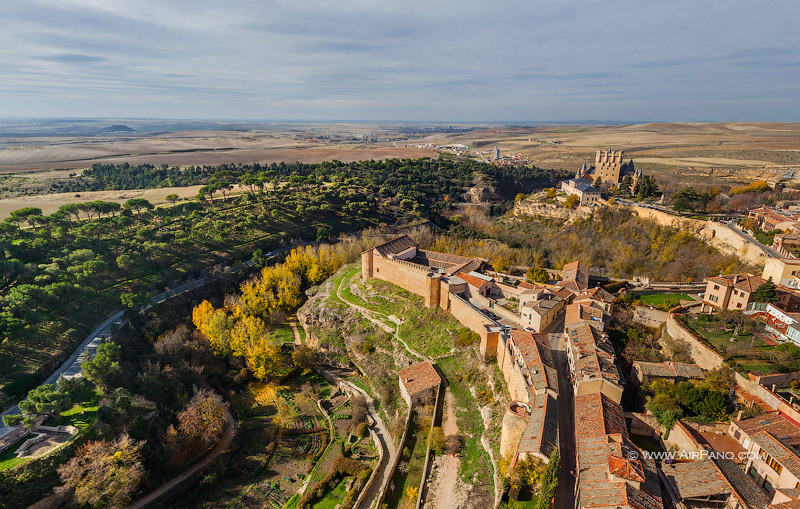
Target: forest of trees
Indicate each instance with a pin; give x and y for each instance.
(61, 274)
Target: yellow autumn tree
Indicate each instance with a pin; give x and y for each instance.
(263, 359)
(247, 331)
(200, 315)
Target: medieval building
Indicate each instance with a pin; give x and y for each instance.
(609, 168)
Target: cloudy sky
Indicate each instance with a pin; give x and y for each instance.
(434, 60)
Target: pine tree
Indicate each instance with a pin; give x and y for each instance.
(765, 293)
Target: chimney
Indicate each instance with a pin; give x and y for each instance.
(739, 415)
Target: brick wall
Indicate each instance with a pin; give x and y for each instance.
(402, 274)
(475, 321)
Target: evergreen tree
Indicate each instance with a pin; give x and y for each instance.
(765, 293)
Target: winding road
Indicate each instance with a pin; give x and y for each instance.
(72, 366)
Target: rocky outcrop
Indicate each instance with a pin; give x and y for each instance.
(535, 206)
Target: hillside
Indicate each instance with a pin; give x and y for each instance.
(62, 273)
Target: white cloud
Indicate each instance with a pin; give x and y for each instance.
(360, 59)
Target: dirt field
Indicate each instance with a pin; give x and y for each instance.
(739, 151)
(191, 148)
(49, 203)
(725, 152)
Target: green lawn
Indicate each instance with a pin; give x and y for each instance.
(9, 459)
(281, 333)
(425, 330)
(664, 301)
(334, 497)
(82, 415)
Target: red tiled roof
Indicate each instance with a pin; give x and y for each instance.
(395, 246)
(472, 280)
(534, 348)
(418, 377)
(597, 414)
(745, 282)
(774, 423)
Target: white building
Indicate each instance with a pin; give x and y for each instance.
(583, 189)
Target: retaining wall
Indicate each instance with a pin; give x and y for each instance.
(702, 354)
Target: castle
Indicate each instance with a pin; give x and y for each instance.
(609, 168)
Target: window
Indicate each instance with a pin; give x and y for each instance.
(737, 435)
(753, 472)
(716, 287)
(739, 305)
(713, 298)
(768, 484)
(769, 460)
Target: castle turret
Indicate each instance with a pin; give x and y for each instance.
(366, 264)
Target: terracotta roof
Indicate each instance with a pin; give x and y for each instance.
(745, 282)
(418, 377)
(395, 246)
(597, 414)
(792, 504)
(472, 280)
(744, 487)
(669, 369)
(575, 271)
(745, 397)
(541, 432)
(774, 423)
(579, 312)
(592, 355)
(574, 286)
(564, 293)
(635, 481)
(782, 452)
(596, 294)
(537, 360)
(449, 263)
(703, 478)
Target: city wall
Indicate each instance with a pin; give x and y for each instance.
(716, 234)
(476, 321)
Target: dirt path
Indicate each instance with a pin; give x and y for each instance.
(152, 497)
(368, 314)
(446, 489)
(297, 340)
(388, 450)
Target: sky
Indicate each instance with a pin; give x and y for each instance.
(431, 60)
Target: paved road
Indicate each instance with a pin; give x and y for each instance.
(565, 498)
(72, 366)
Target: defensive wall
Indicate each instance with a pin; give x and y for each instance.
(438, 292)
(718, 235)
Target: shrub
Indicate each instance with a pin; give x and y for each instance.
(466, 337)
